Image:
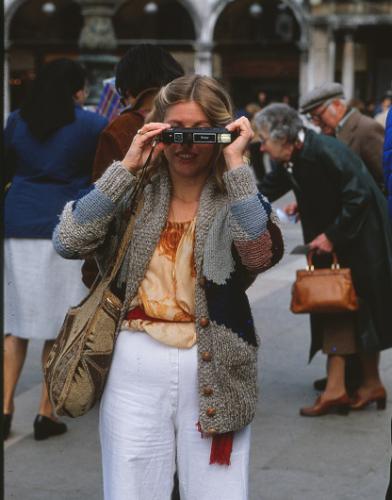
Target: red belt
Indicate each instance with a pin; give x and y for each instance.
(138, 313)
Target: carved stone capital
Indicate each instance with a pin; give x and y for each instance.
(98, 31)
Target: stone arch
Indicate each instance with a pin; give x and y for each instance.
(300, 14)
(188, 5)
(10, 8)
(302, 18)
(253, 52)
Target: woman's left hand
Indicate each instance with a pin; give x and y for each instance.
(235, 151)
(322, 244)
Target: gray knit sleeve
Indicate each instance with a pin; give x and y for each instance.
(253, 224)
(84, 223)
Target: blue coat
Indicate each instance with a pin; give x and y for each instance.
(387, 163)
(49, 173)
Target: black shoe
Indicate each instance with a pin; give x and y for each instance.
(6, 425)
(45, 427)
(320, 384)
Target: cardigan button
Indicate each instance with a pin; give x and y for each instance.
(208, 391)
(211, 412)
(206, 356)
(211, 431)
(204, 322)
(202, 281)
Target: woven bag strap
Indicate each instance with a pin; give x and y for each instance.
(124, 242)
(137, 201)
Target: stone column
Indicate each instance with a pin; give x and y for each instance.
(97, 40)
(348, 68)
(318, 63)
(203, 58)
(303, 72)
(331, 56)
(6, 84)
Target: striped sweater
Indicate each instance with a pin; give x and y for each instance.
(236, 238)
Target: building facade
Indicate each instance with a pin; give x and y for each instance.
(282, 47)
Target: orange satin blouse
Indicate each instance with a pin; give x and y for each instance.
(168, 289)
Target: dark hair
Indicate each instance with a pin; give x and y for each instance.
(145, 67)
(49, 104)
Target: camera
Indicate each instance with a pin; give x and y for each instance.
(218, 135)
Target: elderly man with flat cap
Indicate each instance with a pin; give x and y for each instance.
(326, 107)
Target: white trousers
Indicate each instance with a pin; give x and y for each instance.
(148, 417)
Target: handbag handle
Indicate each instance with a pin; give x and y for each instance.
(309, 257)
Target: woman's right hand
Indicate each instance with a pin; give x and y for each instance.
(292, 211)
(141, 146)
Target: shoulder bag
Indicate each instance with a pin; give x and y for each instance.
(78, 364)
(79, 361)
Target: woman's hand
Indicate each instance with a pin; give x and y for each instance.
(291, 209)
(322, 244)
(141, 146)
(234, 153)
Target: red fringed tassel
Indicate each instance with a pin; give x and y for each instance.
(221, 447)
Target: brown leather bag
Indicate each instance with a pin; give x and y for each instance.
(327, 290)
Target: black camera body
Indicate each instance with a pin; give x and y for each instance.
(203, 135)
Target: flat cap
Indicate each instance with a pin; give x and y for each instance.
(319, 95)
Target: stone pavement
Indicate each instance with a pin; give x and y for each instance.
(293, 458)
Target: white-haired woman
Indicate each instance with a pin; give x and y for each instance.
(341, 210)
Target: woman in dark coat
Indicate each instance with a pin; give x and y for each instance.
(341, 210)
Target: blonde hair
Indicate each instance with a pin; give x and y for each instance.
(213, 99)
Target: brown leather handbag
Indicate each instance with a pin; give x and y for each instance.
(327, 290)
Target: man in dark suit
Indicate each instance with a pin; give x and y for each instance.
(326, 108)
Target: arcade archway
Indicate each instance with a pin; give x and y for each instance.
(259, 46)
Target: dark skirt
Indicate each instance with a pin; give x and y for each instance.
(338, 331)
(334, 334)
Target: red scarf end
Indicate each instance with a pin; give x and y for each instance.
(221, 447)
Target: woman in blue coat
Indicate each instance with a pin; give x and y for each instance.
(388, 183)
(388, 160)
(50, 144)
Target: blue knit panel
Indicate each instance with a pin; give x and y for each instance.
(228, 305)
(60, 248)
(251, 214)
(93, 206)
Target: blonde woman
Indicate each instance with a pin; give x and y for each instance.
(181, 392)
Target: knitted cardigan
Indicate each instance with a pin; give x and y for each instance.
(236, 237)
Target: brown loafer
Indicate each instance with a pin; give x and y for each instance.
(339, 405)
(379, 396)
